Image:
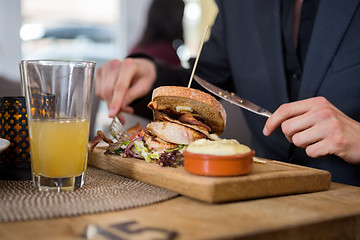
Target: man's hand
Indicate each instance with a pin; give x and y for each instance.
(319, 127)
(119, 83)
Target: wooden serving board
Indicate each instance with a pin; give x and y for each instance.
(273, 178)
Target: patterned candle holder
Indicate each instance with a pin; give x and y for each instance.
(15, 160)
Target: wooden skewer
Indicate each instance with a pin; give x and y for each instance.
(197, 57)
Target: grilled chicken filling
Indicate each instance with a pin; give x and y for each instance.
(156, 143)
(200, 128)
(174, 133)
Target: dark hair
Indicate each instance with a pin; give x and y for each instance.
(164, 21)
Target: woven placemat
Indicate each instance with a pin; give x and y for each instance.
(103, 191)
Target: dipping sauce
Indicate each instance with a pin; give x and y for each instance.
(219, 147)
(223, 157)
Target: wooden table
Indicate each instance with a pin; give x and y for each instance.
(332, 214)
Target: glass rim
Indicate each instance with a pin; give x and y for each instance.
(58, 62)
(12, 97)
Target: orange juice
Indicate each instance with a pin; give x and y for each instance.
(58, 147)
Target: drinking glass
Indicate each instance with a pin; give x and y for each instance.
(58, 99)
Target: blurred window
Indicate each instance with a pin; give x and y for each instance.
(69, 29)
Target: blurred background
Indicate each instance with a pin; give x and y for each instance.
(90, 30)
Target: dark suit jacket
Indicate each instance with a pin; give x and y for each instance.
(245, 48)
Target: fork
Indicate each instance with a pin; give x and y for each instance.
(118, 131)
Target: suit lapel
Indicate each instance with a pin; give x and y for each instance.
(268, 22)
(329, 29)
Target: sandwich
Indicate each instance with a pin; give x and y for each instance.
(181, 115)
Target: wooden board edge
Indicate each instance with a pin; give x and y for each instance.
(304, 182)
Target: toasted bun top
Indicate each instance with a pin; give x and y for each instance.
(201, 104)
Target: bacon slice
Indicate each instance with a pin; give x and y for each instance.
(99, 136)
(134, 130)
(190, 119)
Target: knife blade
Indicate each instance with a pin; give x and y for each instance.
(232, 98)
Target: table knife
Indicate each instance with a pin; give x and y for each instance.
(232, 98)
